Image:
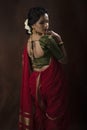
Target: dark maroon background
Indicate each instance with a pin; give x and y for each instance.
(68, 18)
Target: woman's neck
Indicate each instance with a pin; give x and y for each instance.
(36, 36)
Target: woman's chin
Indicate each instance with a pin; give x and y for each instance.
(45, 32)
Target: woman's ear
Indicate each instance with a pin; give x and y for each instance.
(33, 26)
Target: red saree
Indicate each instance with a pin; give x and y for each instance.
(44, 103)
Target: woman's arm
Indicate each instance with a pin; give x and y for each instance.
(61, 45)
(64, 59)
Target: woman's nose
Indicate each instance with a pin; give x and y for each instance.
(46, 25)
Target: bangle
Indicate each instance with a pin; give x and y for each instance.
(61, 43)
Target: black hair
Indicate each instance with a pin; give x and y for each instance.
(35, 14)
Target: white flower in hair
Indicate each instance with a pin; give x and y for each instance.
(27, 26)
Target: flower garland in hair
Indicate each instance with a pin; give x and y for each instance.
(27, 27)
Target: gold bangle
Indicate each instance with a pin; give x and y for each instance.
(61, 43)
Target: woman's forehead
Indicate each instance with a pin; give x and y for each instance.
(44, 17)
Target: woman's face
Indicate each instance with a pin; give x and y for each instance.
(42, 25)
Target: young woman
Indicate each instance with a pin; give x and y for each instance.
(44, 97)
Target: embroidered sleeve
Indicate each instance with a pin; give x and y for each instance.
(53, 47)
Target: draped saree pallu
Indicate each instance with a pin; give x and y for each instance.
(25, 115)
(44, 103)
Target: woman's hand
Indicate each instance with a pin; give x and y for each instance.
(55, 35)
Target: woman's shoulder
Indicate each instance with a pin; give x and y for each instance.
(46, 38)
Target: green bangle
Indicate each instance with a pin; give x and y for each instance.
(61, 43)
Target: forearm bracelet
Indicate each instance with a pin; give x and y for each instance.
(61, 43)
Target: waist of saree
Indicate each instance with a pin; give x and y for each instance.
(41, 69)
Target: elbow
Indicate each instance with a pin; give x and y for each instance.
(64, 60)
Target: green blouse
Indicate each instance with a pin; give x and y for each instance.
(50, 48)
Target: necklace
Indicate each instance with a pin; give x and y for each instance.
(36, 36)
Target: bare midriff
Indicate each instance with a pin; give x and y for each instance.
(41, 69)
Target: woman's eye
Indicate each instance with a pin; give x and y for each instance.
(42, 22)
